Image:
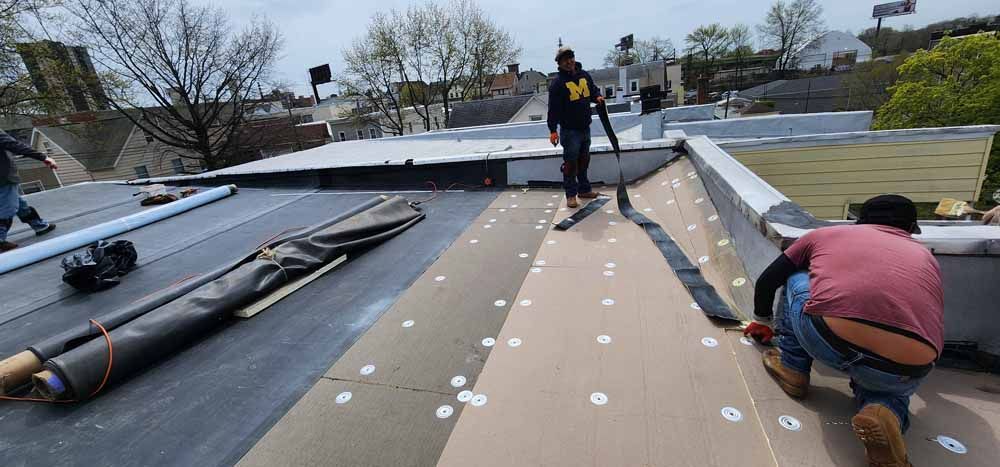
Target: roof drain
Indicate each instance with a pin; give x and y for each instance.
(39, 251)
(169, 328)
(705, 296)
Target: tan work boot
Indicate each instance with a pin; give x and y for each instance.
(878, 428)
(571, 202)
(794, 384)
(589, 195)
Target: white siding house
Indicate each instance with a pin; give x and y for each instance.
(832, 49)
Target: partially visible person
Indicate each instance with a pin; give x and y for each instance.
(11, 201)
(570, 96)
(864, 299)
(992, 216)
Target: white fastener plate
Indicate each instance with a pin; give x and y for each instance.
(525, 302)
(612, 240)
(731, 414)
(458, 381)
(522, 255)
(500, 303)
(408, 323)
(367, 370)
(343, 397)
(951, 444)
(610, 265)
(692, 227)
(536, 269)
(473, 241)
(478, 400)
(489, 342)
(739, 281)
(599, 398)
(695, 305)
(723, 242)
(514, 342)
(703, 259)
(465, 396)
(603, 339)
(746, 341)
(789, 422)
(607, 302)
(609, 273)
(709, 342)
(713, 218)
(439, 278)
(444, 411)
(540, 262)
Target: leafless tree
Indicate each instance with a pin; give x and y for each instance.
(188, 61)
(711, 42)
(646, 50)
(788, 26)
(428, 54)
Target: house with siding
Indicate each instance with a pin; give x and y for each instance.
(106, 147)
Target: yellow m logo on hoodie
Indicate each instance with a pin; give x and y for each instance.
(576, 90)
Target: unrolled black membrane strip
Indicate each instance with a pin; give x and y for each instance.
(582, 214)
(703, 293)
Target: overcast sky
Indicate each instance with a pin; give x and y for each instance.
(316, 31)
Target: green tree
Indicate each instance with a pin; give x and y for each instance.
(956, 83)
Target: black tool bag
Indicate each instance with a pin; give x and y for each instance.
(100, 266)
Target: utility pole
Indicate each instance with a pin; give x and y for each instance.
(291, 122)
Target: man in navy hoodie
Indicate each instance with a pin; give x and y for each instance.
(569, 111)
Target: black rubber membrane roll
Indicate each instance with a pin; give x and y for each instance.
(80, 334)
(168, 328)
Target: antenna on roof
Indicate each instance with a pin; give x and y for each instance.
(560, 41)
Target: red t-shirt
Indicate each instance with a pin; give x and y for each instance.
(875, 273)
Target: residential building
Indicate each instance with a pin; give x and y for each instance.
(505, 109)
(375, 125)
(65, 73)
(832, 50)
(665, 74)
(506, 84)
(106, 145)
(532, 82)
(806, 95)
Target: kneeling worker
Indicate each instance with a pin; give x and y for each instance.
(570, 96)
(864, 299)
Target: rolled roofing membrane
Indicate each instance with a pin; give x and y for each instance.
(43, 250)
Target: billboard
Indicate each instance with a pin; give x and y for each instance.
(906, 7)
(320, 74)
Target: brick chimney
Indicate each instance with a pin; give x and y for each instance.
(514, 68)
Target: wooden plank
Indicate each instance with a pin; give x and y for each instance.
(861, 174)
(982, 173)
(861, 151)
(881, 163)
(286, 290)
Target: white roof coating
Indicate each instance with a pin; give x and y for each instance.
(456, 145)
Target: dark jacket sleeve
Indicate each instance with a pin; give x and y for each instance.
(768, 283)
(555, 107)
(595, 91)
(9, 144)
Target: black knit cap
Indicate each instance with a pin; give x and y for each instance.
(892, 210)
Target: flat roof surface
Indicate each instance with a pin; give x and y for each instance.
(481, 336)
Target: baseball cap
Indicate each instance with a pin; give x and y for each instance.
(892, 210)
(563, 52)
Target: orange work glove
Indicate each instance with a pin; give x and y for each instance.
(554, 138)
(759, 332)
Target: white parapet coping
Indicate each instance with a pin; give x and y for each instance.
(758, 201)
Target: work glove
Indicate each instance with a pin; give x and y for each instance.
(761, 333)
(554, 138)
(599, 100)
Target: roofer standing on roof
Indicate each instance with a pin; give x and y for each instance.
(866, 300)
(11, 201)
(569, 110)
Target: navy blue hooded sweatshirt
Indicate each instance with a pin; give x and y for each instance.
(569, 99)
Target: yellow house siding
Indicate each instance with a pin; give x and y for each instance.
(825, 179)
(157, 157)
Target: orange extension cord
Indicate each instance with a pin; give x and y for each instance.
(107, 373)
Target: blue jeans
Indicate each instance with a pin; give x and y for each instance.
(801, 343)
(11, 203)
(576, 160)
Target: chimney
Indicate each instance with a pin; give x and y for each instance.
(514, 68)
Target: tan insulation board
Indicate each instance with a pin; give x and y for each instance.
(665, 389)
(408, 371)
(379, 426)
(961, 405)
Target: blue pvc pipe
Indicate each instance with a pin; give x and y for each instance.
(31, 254)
